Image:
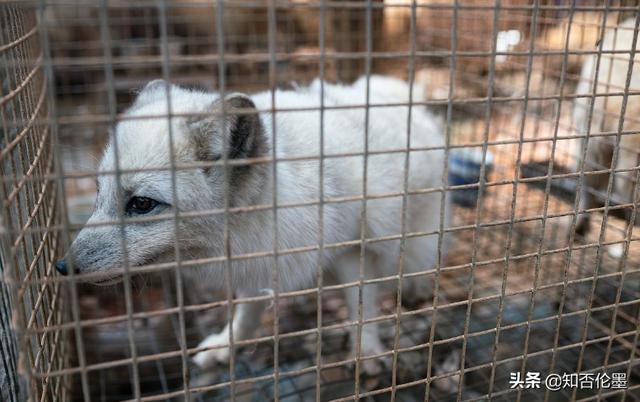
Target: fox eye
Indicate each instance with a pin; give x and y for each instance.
(141, 205)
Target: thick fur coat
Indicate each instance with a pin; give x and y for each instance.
(610, 85)
(204, 128)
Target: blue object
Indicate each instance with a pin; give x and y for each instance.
(464, 168)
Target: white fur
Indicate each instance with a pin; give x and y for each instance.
(144, 143)
(612, 77)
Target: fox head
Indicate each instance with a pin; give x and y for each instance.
(157, 168)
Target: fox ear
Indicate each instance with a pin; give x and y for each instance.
(155, 85)
(232, 124)
(152, 91)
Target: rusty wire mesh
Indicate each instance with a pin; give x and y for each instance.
(517, 291)
(29, 211)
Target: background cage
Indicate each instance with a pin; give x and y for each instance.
(518, 291)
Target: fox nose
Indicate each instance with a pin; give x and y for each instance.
(61, 266)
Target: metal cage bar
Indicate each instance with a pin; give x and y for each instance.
(516, 284)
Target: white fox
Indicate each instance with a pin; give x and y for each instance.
(611, 79)
(201, 132)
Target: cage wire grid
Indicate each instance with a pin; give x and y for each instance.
(29, 202)
(517, 289)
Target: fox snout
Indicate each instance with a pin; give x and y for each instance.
(98, 254)
(93, 251)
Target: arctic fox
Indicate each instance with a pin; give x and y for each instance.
(612, 77)
(206, 127)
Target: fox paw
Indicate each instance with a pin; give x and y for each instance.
(209, 358)
(372, 346)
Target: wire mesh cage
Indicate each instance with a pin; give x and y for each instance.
(30, 304)
(476, 161)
